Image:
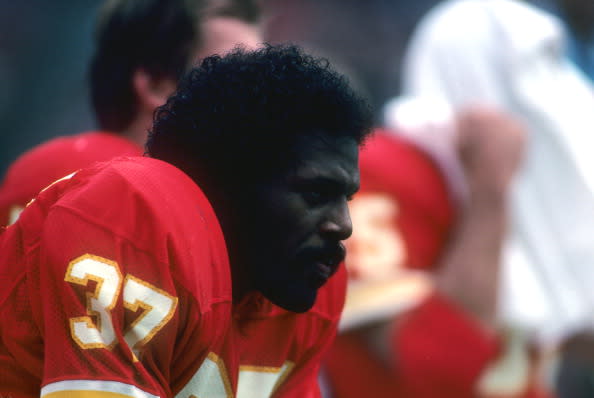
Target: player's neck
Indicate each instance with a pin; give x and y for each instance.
(229, 207)
(240, 278)
(229, 220)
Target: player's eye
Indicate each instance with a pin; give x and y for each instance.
(314, 197)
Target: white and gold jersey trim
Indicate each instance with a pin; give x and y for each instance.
(93, 389)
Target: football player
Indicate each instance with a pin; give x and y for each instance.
(210, 268)
(420, 314)
(142, 49)
(128, 85)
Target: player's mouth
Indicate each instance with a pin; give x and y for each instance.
(326, 263)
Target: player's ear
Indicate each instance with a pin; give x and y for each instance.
(150, 90)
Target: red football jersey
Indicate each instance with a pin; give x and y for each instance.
(436, 352)
(432, 349)
(280, 351)
(426, 340)
(42, 165)
(117, 283)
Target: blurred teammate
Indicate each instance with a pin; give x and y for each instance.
(469, 51)
(40, 166)
(122, 280)
(420, 314)
(142, 49)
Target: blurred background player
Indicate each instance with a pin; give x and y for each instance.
(480, 51)
(420, 318)
(129, 278)
(142, 49)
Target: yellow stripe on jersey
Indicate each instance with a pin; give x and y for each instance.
(93, 389)
(84, 394)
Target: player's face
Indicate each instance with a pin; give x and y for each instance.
(302, 216)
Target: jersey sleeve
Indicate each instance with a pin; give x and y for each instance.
(104, 309)
(352, 370)
(440, 350)
(103, 305)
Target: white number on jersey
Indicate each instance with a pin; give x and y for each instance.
(157, 305)
(211, 380)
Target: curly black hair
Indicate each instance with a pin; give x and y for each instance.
(237, 117)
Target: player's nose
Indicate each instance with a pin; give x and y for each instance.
(337, 223)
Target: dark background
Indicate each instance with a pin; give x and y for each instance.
(45, 47)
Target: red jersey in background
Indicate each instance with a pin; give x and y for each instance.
(431, 347)
(56, 158)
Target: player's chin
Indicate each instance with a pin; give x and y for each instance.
(295, 297)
